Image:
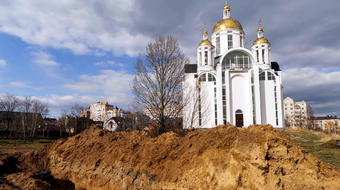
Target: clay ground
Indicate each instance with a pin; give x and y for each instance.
(319, 144)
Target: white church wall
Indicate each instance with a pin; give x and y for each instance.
(207, 104)
(241, 98)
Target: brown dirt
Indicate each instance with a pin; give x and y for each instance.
(221, 158)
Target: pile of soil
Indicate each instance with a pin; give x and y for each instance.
(221, 158)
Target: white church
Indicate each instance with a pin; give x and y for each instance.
(231, 83)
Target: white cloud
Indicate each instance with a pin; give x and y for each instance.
(44, 58)
(81, 26)
(3, 63)
(108, 63)
(19, 84)
(320, 88)
(114, 85)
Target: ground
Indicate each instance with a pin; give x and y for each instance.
(8, 146)
(319, 144)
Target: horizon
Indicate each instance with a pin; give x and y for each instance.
(66, 53)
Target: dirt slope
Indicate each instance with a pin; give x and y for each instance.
(221, 158)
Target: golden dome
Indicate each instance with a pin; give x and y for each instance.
(227, 7)
(261, 40)
(205, 42)
(227, 23)
(260, 29)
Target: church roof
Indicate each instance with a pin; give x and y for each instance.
(275, 66)
(190, 68)
(227, 23)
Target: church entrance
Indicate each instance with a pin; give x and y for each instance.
(239, 118)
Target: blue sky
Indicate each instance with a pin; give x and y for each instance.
(64, 52)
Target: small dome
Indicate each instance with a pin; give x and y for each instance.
(261, 40)
(227, 23)
(205, 42)
(227, 7)
(260, 29)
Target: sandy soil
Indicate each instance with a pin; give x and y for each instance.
(221, 158)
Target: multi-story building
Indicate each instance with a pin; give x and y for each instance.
(101, 111)
(231, 83)
(329, 123)
(297, 114)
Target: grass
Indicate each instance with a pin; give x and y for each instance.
(317, 143)
(15, 145)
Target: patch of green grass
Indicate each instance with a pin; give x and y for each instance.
(19, 142)
(312, 142)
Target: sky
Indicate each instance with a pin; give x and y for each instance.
(64, 52)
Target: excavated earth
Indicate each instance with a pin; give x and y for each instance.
(221, 158)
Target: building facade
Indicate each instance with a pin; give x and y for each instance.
(297, 114)
(330, 124)
(101, 111)
(231, 83)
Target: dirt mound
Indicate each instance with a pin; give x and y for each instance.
(221, 158)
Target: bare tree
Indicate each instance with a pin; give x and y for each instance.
(39, 111)
(25, 109)
(196, 106)
(9, 104)
(158, 79)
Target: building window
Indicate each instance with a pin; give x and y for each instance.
(241, 42)
(257, 55)
(211, 78)
(215, 98)
(223, 77)
(218, 45)
(236, 60)
(271, 76)
(200, 58)
(224, 102)
(206, 57)
(263, 56)
(203, 78)
(262, 76)
(230, 41)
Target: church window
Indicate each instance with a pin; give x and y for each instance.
(236, 60)
(223, 77)
(263, 56)
(203, 78)
(200, 58)
(211, 77)
(218, 45)
(257, 55)
(241, 41)
(224, 101)
(199, 108)
(271, 76)
(206, 57)
(215, 95)
(262, 76)
(230, 41)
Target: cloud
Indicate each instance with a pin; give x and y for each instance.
(321, 89)
(80, 26)
(44, 58)
(19, 84)
(108, 63)
(3, 63)
(114, 85)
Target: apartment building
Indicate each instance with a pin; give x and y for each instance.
(297, 114)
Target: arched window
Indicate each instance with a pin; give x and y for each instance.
(236, 60)
(263, 76)
(203, 78)
(211, 78)
(271, 76)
